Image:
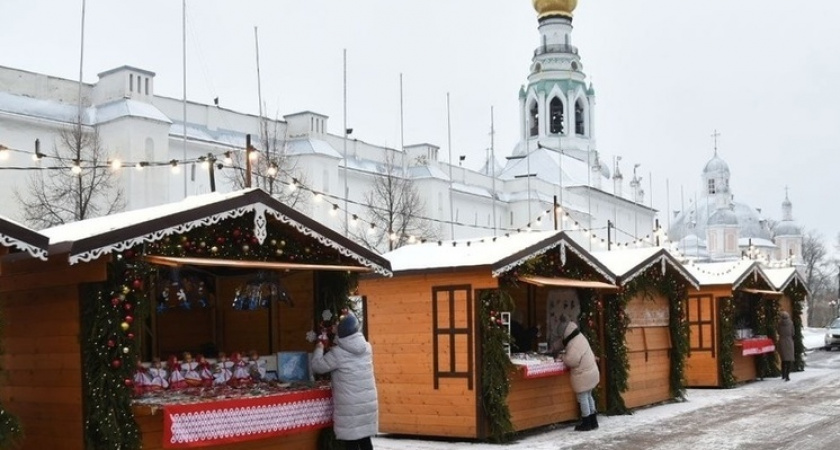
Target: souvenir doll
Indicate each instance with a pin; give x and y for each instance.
(176, 377)
(190, 370)
(142, 379)
(256, 366)
(205, 371)
(240, 376)
(222, 372)
(158, 376)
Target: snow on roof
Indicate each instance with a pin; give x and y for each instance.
(16, 235)
(47, 109)
(500, 253)
(630, 262)
(427, 171)
(312, 147)
(128, 108)
(756, 242)
(781, 277)
(91, 238)
(729, 272)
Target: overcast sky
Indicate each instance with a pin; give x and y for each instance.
(764, 73)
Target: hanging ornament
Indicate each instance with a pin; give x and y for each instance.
(115, 301)
(126, 350)
(130, 336)
(128, 306)
(129, 319)
(128, 382)
(116, 363)
(138, 284)
(125, 326)
(111, 343)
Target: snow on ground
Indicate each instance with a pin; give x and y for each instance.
(562, 435)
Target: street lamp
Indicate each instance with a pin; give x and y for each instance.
(560, 174)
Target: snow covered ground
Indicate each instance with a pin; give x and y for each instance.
(563, 437)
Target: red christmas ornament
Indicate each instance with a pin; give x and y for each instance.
(220, 240)
(116, 363)
(115, 301)
(111, 343)
(128, 382)
(130, 336)
(128, 306)
(129, 254)
(138, 284)
(236, 233)
(129, 319)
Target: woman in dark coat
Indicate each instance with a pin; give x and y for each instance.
(785, 344)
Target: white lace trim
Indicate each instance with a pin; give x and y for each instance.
(8, 241)
(563, 248)
(259, 231)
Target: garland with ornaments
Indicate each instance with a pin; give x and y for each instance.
(727, 342)
(796, 293)
(766, 317)
(111, 313)
(496, 365)
(11, 431)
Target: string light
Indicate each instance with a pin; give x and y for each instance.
(175, 168)
(116, 165)
(76, 168)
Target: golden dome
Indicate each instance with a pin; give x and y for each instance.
(547, 8)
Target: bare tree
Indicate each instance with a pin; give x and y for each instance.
(819, 277)
(272, 165)
(75, 184)
(395, 209)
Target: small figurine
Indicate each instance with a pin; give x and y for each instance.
(189, 368)
(223, 371)
(142, 379)
(240, 376)
(158, 376)
(256, 366)
(205, 372)
(176, 378)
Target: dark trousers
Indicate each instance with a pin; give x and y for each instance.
(359, 444)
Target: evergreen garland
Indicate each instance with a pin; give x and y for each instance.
(615, 349)
(109, 352)
(797, 298)
(496, 365)
(726, 348)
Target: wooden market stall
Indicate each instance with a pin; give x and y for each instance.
(794, 292)
(653, 289)
(214, 273)
(728, 320)
(435, 325)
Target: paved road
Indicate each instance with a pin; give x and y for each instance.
(803, 414)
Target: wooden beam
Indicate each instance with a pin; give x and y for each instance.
(172, 261)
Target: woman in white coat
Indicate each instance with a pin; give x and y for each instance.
(585, 375)
(355, 403)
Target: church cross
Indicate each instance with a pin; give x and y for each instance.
(715, 136)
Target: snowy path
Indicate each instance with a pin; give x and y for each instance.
(772, 414)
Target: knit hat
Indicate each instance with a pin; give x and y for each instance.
(348, 325)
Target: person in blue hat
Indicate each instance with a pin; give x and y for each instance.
(355, 402)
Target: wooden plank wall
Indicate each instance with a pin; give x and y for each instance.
(538, 402)
(649, 376)
(400, 330)
(42, 358)
(702, 365)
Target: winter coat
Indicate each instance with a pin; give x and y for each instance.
(785, 341)
(355, 403)
(579, 357)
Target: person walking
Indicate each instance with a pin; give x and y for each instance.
(355, 403)
(785, 344)
(585, 375)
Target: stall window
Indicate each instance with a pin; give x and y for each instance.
(452, 328)
(701, 323)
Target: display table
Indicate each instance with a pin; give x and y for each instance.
(229, 422)
(756, 346)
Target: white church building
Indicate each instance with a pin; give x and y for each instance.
(556, 161)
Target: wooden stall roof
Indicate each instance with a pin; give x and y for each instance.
(90, 239)
(731, 273)
(16, 235)
(627, 264)
(784, 277)
(498, 253)
(567, 282)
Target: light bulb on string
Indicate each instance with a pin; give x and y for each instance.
(4, 152)
(334, 210)
(77, 168)
(116, 164)
(228, 160)
(175, 168)
(272, 170)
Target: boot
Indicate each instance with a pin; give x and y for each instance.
(585, 424)
(593, 421)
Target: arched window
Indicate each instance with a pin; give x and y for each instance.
(579, 123)
(556, 115)
(534, 116)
